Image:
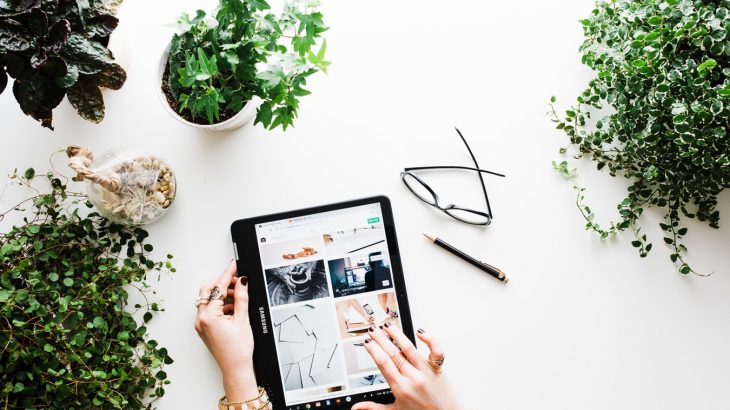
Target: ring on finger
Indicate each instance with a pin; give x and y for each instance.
(216, 294)
(399, 359)
(437, 364)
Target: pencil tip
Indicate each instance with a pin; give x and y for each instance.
(430, 238)
(506, 280)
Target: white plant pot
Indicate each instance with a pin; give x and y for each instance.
(242, 118)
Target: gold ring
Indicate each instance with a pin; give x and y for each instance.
(398, 359)
(201, 301)
(436, 364)
(216, 294)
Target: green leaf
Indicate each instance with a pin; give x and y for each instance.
(112, 76)
(271, 78)
(68, 282)
(99, 322)
(29, 173)
(86, 97)
(318, 59)
(14, 37)
(48, 348)
(232, 58)
(655, 20)
(70, 78)
(88, 55)
(706, 65)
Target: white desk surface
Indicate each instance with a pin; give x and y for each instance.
(583, 324)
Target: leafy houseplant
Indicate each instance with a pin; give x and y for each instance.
(662, 72)
(67, 337)
(215, 68)
(58, 48)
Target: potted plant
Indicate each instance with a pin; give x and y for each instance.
(72, 338)
(655, 113)
(218, 73)
(59, 48)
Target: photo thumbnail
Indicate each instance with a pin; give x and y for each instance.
(296, 283)
(358, 274)
(297, 250)
(367, 381)
(357, 359)
(354, 240)
(356, 315)
(308, 348)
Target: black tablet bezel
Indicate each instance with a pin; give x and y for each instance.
(248, 261)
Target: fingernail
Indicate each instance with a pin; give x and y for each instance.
(421, 331)
(372, 329)
(387, 324)
(244, 280)
(368, 340)
(381, 326)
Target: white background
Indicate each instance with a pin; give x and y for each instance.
(582, 324)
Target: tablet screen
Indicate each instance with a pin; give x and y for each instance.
(328, 279)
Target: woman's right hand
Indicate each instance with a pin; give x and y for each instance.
(416, 383)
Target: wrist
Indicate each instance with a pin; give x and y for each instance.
(240, 384)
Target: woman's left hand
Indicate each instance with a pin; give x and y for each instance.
(225, 329)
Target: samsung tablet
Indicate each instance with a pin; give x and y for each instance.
(318, 279)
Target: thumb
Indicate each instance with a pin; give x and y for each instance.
(240, 299)
(368, 405)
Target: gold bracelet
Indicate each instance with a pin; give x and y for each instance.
(224, 404)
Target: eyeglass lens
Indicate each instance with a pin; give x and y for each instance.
(418, 189)
(467, 216)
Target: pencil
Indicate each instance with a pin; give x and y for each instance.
(497, 273)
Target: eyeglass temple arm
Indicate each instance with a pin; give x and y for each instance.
(454, 167)
(481, 179)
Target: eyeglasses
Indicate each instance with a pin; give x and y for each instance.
(424, 192)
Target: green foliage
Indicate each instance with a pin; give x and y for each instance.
(215, 66)
(68, 337)
(53, 49)
(662, 74)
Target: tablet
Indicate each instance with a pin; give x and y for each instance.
(318, 279)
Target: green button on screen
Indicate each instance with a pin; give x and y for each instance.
(374, 220)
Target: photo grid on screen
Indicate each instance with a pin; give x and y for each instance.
(328, 279)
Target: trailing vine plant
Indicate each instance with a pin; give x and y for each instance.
(662, 75)
(68, 338)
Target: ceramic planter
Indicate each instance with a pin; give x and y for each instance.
(246, 115)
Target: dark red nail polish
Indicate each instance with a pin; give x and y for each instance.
(421, 331)
(387, 324)
(381, 326)
(372, 329)
(368, 340)
(244, 280)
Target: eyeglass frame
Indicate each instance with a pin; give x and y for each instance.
(446, 208)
